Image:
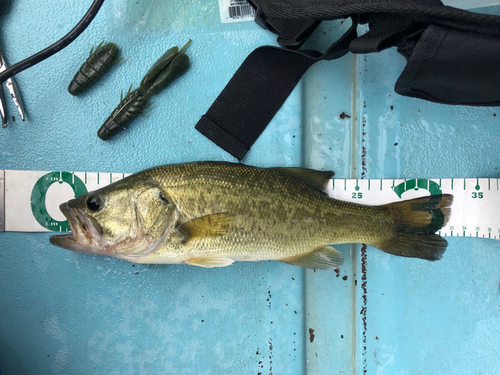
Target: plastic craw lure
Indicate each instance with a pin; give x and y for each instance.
(98, 63)
(170, 66)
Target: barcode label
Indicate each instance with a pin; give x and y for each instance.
(235, 11)
(241, 11)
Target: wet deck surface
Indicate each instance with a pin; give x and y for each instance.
(64, 312)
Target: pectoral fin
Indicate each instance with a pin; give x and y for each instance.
(206, 226)
(321, 258)
(209, 262)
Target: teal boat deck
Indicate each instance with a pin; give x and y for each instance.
(69, 313)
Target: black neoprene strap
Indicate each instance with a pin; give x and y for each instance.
(266, 77)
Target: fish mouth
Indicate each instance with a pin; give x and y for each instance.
(85, 232)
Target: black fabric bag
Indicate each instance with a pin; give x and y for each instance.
(453, 57)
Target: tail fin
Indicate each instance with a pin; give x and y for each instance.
(417, 221)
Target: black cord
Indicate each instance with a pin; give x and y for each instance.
(56, 47)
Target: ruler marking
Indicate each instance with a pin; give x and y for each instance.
(452, 184)
(85, 178)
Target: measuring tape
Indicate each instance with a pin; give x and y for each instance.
(29, 200)
(475, 208)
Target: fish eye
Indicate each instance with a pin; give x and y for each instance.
(94, 203)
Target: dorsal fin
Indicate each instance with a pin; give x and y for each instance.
(316, 179)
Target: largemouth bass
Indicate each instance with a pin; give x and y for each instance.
(211, 214)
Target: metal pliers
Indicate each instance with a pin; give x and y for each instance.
(14, 93)
(10, 83)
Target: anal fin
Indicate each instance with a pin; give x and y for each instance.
(321, 258)
(209, 262)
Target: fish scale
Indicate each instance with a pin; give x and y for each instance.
(239, 180)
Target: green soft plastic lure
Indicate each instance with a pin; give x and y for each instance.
(170, 66)
(98, 63)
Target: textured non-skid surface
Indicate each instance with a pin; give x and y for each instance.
(69, 313)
